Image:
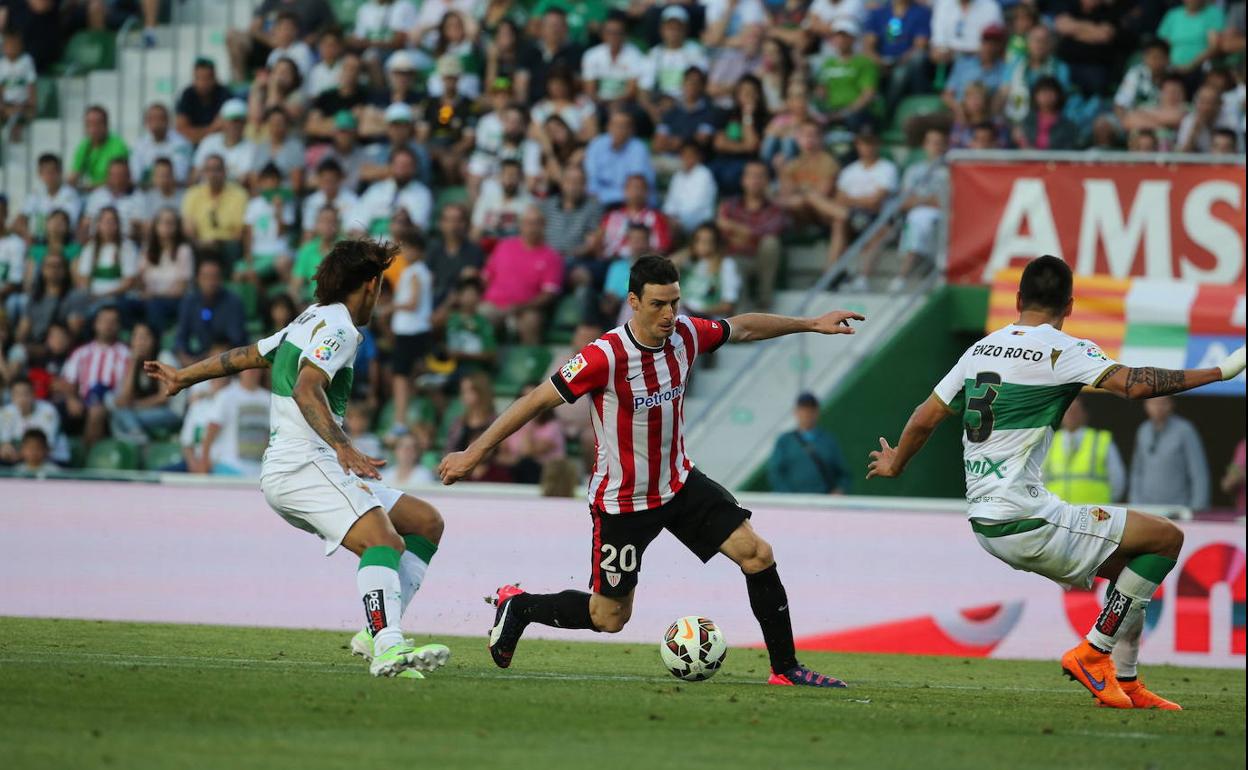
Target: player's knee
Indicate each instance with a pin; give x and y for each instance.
(759, 558)
(612, 624)
(1171, 539)
(437, 525)
(610, 617)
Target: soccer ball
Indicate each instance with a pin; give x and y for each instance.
(693, 648)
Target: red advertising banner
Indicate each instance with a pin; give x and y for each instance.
(1172, 222)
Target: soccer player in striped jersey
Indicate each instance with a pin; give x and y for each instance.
(313, 477)
(643, 482)
(1009, 391)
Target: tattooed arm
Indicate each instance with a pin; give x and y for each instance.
(228, 363)
(1149, 381)
(309, 394)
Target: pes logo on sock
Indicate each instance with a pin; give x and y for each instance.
(375, 611)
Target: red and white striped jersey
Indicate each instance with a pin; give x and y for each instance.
(638, 414)
(96, 364)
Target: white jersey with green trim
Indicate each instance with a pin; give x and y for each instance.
(1011, 389)
(325, 337)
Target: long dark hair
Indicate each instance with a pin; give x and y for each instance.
(761, 114)
(64, 285)
(442, 46)
(152, 249)
(349, 265)
(97, 238)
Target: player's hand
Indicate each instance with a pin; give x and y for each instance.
(456, 466)
(354, 461)
(165, 374)
(836, 322)
(882, 461)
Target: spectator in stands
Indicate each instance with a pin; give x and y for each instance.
(238, 427)
(477, 395)
(502, 201)
(159, 141)
(17, 73)
(1231, 38)
(810, 174)
(1143, 140)
(326, 231)
(213, 211)
(447, 127)
(861, 190)
(38, 23)
(24, 412)
(230, 144)
(434, 12)
(1196, 131)
(751, 226)
(1168, 465)
(12, 257)
(199, 106)
(662, 84)
(958, 27)
(411, 322)
(34, 452)
(690, 118)
(141, 405)
(400, 88)
(208, 314)
(346, 94)
(987, 67)
(1233, 479)
(330, 50)
(280, 86)
(381, 28)
(345, 148)
(692, 191)
(847, 81)
(470, 340)
(58, 239)
(730, 63)
(50, 194)
(612, 70)
(400, 188)
(562, 99)
(53, 300)
(560, 148)
(1225, 142)
(95, 151)
(1192, 30)
(550, 51)
(514, 144)
(1083, 465)
(1013, 98)
(523, 273)
(615, 156)
(116, 193)
(108, 267)
(808, 459)
(400, 122)
(538, 442)
(739, 138)
(165, 269)
(635, 210)
(452, 255)
(93, 372)
(572, 217)
(267, 222)
(1164, 117)
(895, 36)
(329, 192)
(1045, 127)
(780, 136)
(163, 193)
(1089, 37)
(458, 61)
(408, 471)
(280, 149)
(273, 28)
(710, 281)
(357, 423)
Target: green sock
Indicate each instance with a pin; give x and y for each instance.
(412, 566)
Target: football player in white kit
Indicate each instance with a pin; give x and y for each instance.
(1009, 391)
(312, 475)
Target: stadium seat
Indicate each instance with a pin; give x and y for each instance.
(47, 105)
(345, 11)
(911, 107)
(161, 454)
(88, 51)
(564, 322)
(112, 455)
(521, 365)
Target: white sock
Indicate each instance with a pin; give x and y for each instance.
(378, 582)
(1127, 650)
(1127, 600)
(413, 564)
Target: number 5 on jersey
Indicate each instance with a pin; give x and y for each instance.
(979, 397)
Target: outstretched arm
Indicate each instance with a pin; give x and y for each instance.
(228, 363)
(751, 327)
(1149, 381)
(889, 462)
(457, 465)
(309, 395)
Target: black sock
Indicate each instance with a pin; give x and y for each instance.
(567, 609)
(771, 607)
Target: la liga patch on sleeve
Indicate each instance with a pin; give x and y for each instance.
(326, 348)
(573, 367)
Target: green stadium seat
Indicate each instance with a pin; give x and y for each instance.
(87, 51)
(419, 410)
(161, 454)
(430, 459)
(565, 320)
(112, 455)
(247, 293)
(77, 452)
(911, 107)
(47, 105)
(345, 11)
(521, 365)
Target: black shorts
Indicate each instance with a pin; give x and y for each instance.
(702, 515)
(409, 350)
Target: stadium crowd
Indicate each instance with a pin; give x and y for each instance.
(520, 153)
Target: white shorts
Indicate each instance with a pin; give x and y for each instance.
(319, 497)
(1068, 547)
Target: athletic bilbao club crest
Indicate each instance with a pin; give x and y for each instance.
(1100, 514)
(613, 579)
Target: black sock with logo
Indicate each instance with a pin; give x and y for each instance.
(770, 604)
(566, 609)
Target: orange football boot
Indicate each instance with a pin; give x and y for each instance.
(1095, 670)
(1144, 698)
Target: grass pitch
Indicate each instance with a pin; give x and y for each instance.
(77, 694)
